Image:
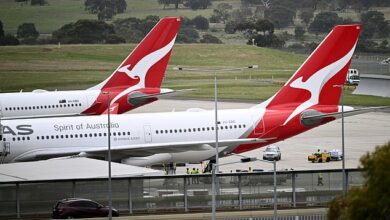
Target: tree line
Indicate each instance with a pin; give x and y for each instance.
(130, 30)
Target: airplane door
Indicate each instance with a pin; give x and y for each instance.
(258, 126)
(148, 133)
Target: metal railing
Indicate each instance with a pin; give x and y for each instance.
(180, 193)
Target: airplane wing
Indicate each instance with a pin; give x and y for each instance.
(338, 115)
(163, 93)
(46, 153)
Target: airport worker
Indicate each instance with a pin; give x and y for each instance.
(320, 179)
(193, 171)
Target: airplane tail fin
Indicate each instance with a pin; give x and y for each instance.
(319, 80)
(150, 56)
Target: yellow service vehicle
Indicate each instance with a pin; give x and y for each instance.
(319, 157)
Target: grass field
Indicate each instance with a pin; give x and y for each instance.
(59, 12)
(82, 66)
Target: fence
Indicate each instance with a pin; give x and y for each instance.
(181, 193)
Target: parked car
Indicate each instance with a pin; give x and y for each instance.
(272, 152)
(80, 208)
(385, 61)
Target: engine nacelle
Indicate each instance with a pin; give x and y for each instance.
(149, 160)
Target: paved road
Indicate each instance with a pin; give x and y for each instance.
(362, 134)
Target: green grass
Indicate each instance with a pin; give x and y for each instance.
(82, 66)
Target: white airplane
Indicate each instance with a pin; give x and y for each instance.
(309, 99)
(134, 83)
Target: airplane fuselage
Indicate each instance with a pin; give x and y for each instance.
(85, 132)
(46, 103)
(132, 129)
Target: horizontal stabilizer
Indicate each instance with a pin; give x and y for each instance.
(336, 115)
(162, 93)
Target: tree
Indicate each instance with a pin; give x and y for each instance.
(372, 200)
(9, 40)
(114, 39)
(200, 22)
(374, 24)
(230, 27)
(27, 33)
(267, 39)
(38, 2)
(83, 31)
(105, 9)
(197, 4)
(324, 22)
(106, 14)
(129, 29)
(299, 32)
(264, 26)
(221, 13)
(210, 39)
(148, 23)
(306, 16)
(241, 15)
(166, 3)
(187, 35)
(280, 16)
(1, 30)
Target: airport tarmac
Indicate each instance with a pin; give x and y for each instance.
(362, 134)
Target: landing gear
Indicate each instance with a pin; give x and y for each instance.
(209, 166)
(170, 169)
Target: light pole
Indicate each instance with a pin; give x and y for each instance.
(342, 140)
(109, 155)
(243, 160)
(216, 120)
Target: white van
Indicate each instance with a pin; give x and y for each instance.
(353, 77)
